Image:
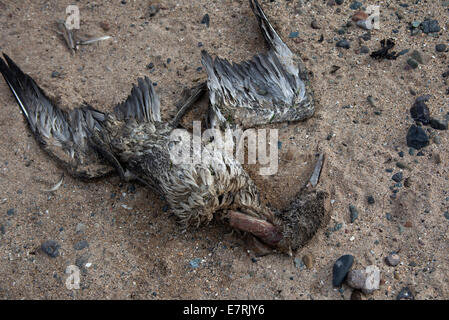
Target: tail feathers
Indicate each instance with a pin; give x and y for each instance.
(142, 104)
(271, 37)
(64, 135)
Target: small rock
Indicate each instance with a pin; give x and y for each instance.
(343, 44)
(430, 26)
(405, 294)
(353, 213)
(339, 2)
(365, 24)
(412, 63)
(440, 47)
(80, 245)
(341, 269)
(417, 56)
(51, 248)
(308, 261)
(372, 279)
(393, 260)
(355, 5)
(10, 212)
(397, 177)
(419, 111)
(356, 279)
(438, 124)
(370, 200)
(205, 20)
(402, 165)
(293, 34)
(315, 25)
(417, 138)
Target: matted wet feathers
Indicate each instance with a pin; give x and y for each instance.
(269, 88)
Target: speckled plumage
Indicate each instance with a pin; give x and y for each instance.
(269, 88)
(134, 141)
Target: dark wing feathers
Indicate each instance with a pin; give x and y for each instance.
(64, 135)
(77, 138)
(141, 105)
(269, 87)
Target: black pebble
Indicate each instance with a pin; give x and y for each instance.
(370, 199)
(341, 269)
(205, 20)
(417, 138)
(440, 47)
(405, 294)
(419, 111)
(438, 124)
(10, 212)
(398, 177)
(343, 44)
(339, 2)
(51, 248)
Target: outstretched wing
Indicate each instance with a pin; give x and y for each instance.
(64, 135)
(271, 87)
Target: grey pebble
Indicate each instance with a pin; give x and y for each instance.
(393, 260)
(343, 44)
(51, 248)
(353, 213)
(80, 245)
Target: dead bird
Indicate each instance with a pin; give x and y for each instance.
(134, 141)
(269, 88)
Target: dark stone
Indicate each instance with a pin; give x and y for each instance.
(150, 65)
(343, 44)
(430, 26)
(294, 34)
(405, 294)
(370, 199)
(81, 245)
(339, 2)
(438, 124)
(51, 248)
(366, 36)
(412, 63)
(355, 5)
(353, 213)
(417, 138)
(419, 111)
(397, 177)
(10, 212)
(440, 47)
(401, 53)
(341, 269)
(206, 20)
